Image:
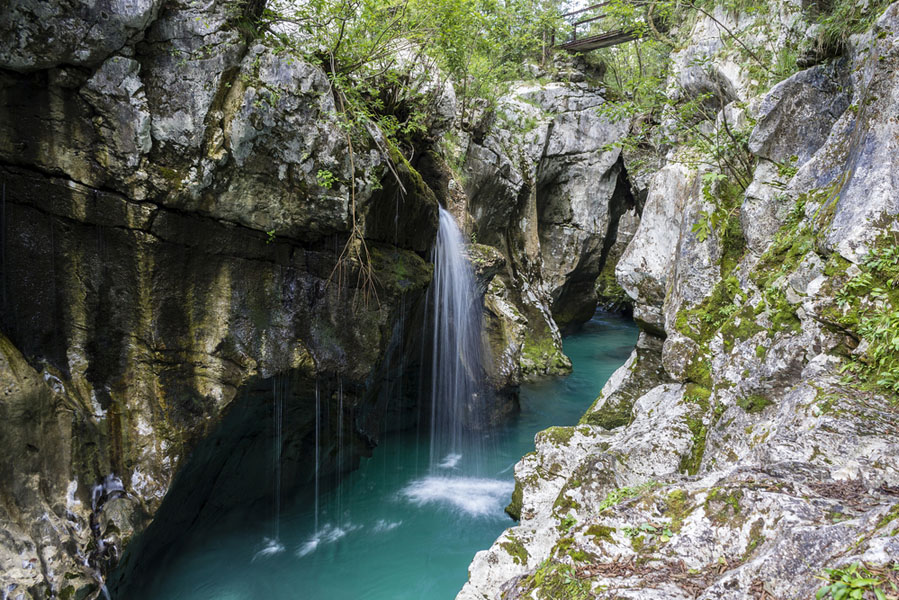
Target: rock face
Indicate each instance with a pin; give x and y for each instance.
(175, 200)
(731, 457)
(39, 35)
(547, 189)
(174, 203)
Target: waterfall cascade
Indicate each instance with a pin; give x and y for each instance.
(407, 521)
(457, 391)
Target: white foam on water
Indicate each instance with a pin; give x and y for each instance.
(383, 525)
(474, 496)
(270, 547)
(450, 461)
(328, 535)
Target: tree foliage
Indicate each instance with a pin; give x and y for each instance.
(383, 55)
(389, 63)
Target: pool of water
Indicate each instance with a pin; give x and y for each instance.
(394, 529)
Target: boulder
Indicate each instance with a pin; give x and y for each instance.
(40, 35)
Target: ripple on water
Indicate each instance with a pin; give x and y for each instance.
(328, 535)
(270, 547)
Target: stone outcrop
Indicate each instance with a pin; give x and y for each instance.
(40, 35)
(732, 457)
(548, 189)
(174, 205)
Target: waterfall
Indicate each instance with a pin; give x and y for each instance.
(456, 384)
(278, 426)
(272, 545)
(318, 424)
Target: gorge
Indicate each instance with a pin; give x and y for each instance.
(283, 289)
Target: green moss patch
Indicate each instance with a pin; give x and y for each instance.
(754, 403)
(722, 506)
(601, 532)
(540, 354)
(616, 412)
(698, 397)
(516, 550)
(514, 507)
(677, 508)
(557, 436)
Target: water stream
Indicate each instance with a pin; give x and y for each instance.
(456, 382)
(396, 528)
(406, 523)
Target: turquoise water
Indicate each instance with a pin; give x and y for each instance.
(395, 529)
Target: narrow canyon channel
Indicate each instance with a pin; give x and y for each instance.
(398, 527)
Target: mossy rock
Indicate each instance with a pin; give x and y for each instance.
(755, 539)
(516, 550)
(722, 506)
(616, 412)
(754, 403)
(601, 532)
(514, 507)
(698, 398)
(399, 271)
(677, 508)
(557, 436)
(540, 355)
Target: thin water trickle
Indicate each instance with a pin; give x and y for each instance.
(278, 422)
(339, 444)
(318, 419)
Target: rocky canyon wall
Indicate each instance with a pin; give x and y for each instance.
(170, 263)
(750, 442)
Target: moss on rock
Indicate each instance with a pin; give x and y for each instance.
(516, 550)
(754, 403)
(539, 354)
(514, 507)
(557, 436)
(615, 412)
(601, 532)
(676, 508)
(722, 506)
(698, 397)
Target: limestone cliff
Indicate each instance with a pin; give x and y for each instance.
(548, 189)
(750, 442)
(174, 204)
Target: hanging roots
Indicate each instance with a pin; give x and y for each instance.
(355, 251)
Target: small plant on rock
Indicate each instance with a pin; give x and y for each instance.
(859, 581)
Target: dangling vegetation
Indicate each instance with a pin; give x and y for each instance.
(382, 55)
(389, 63)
